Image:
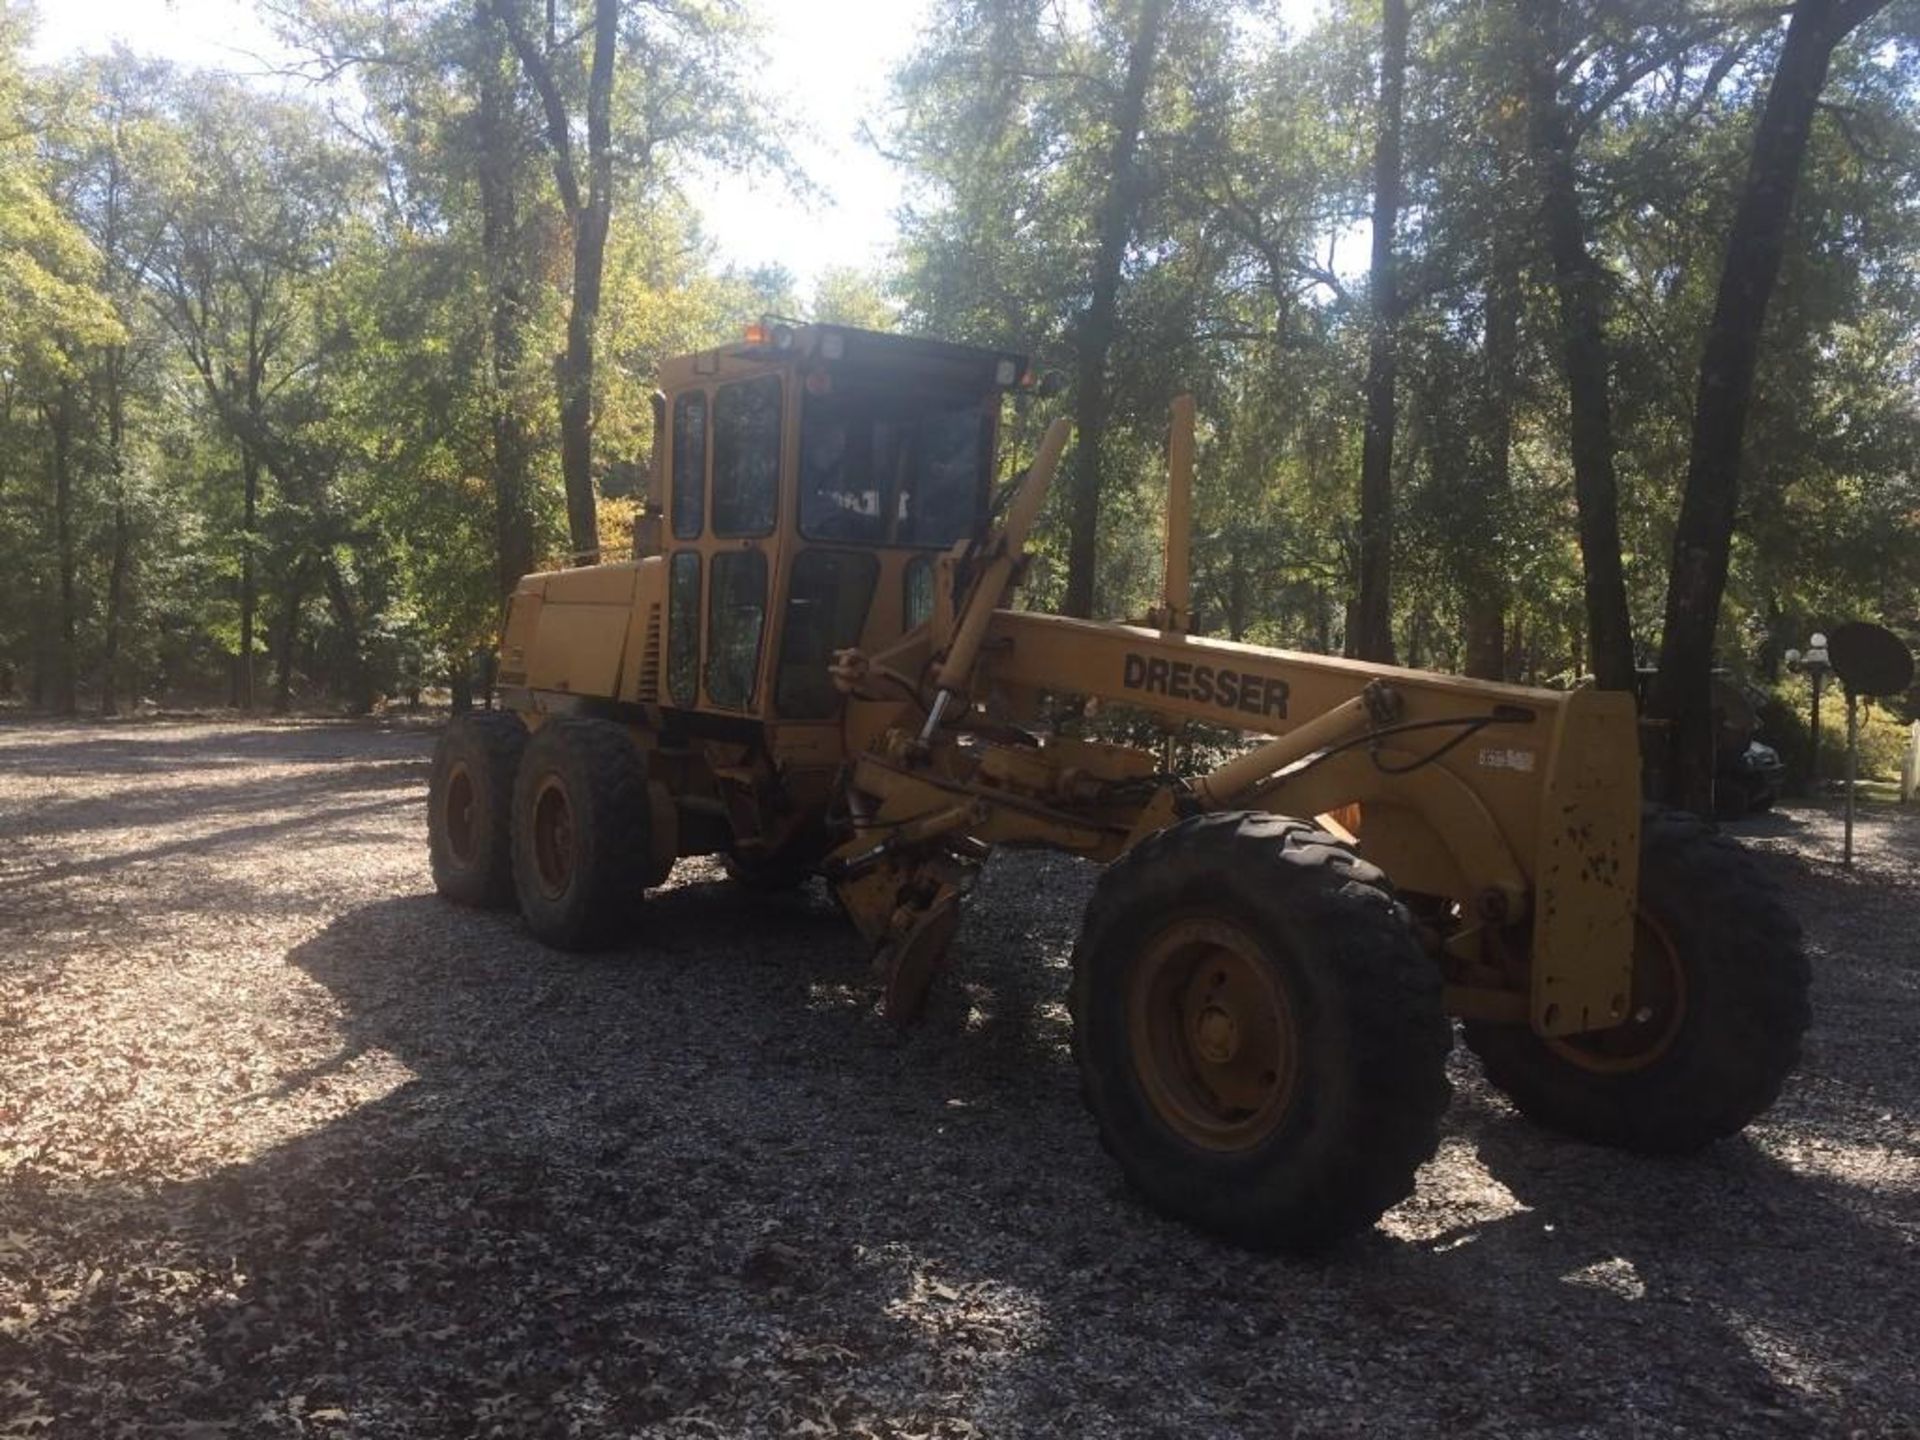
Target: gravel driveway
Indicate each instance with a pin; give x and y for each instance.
(289, 1147)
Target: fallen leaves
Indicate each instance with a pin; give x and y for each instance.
(289, 1148)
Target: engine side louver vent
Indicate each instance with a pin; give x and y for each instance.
(650, 658)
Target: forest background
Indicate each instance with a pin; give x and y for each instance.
(1531, 338)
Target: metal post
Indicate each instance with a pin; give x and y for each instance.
(1177, 592)
(1853, 766)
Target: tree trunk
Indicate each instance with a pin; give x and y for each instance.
(589, 216)
(1417, 641)
(1579, 286)
(288, 633)
(121, 558)
(250, 461)
(1703, 537)
(359, 679)
(1373, 614)
(1486, 640)
(576, 382)
(500, 243)
(590, 226)
(1486, 603)
(60, 423)
(249, 588)
(1119, 213)
(116, 602)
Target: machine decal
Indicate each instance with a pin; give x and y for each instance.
(1496, 758)
(1237, 690)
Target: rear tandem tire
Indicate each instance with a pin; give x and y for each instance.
(1259, 1034)
(581, 827)
(1719, 1008)
(470, 808)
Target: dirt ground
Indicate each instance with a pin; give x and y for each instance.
(289, 1147)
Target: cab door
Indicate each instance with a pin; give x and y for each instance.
(744, 509)
(724, 507)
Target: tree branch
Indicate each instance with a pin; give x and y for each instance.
(552, 104)
(1851, 14)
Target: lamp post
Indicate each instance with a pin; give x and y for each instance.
(1814, 664)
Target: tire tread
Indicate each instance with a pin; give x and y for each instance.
(493, 742)
(1718, 1079)
(612, 828)
(1397, 1069)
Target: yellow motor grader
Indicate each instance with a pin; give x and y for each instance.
(811, 666)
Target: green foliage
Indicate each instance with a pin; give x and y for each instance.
(359, 305)
(1245, 285)
(846, 296)
(200, 281)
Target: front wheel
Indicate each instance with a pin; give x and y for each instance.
(1259, 1034)
(1719, 1005)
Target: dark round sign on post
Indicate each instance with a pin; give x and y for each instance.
(1870, 659)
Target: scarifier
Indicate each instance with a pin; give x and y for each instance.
(812, 667)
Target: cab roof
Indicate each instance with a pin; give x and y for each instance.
(856, 354)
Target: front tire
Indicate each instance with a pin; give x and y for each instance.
(1718, 1009)
(1259, 1035)
(470, 808)
(581, 829)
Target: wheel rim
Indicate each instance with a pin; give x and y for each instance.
(553, 856)
(457, 818)
(1658, 1001)
(1213, 1035)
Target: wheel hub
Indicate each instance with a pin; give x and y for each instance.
(553, 839)
(1212, 1032)
(1659, 1001)
(1216, 1036)
(458, 814)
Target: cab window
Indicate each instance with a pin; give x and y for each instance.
(827, 599)
(689, 464)
(738, 604)
(879, 469)
(746, 456)
(683, 628)
(917, 603)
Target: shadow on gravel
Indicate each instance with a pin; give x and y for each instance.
(1774, 824)
(160, 808)
(699, 1185)
(325, 818)
(61, 748)
(1731, 1241)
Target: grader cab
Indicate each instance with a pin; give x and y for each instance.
(811, 667)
